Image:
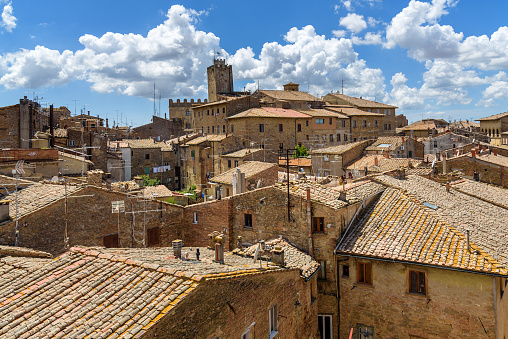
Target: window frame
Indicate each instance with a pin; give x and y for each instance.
(111, 239)
(195, 218)
(411, 283)
(261, 128)
(318, 224)
(153, 232)
(321, 325)
(247, 220)
(281, 128)
(364, 270)
(273, 315)
(320, 121)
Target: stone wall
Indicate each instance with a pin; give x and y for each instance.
(161, 129)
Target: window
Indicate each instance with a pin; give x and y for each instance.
(299, 127)
(345, 271)
(338, 137)
(236, 163)
(307, 137)
(417, 282)
(273, 314)
(247, 220)
(147, 156)
(261, 127)
(318, 224)
(232, 129)
(92, 125)
(153, 235)
(195, 218)
(343, 123)
(331, 137)
(354, 123)
(325, 326)
(208, 130)
(330, 121)
(320, 121)
(389, 126)
(364, 123)
(193, 154)
(364, 273)
(213, 129)
(375, 123)
(229, 163)
(326, 157)
(110, 240)
(307, 123)
(435, 143)
(223, 128)
(147, 170)
(207, 112)
(246, 334)
(72, 143)
(345, 137)
(364, 331)
(385, 126)
(187, 113)
(280, 128)
(223, 109)
(281, 146)
(322, 270)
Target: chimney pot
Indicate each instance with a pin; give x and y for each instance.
(473, 153)
(177, 248)
(278, 255)
(308, 194)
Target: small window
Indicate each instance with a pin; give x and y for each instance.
(354, 123)
(246, 334)
(223, 128)
(223, 109)
(364, 331)
(208, 130)
(299, 127)
(345, 271)
(213, 129)
(307, 123)
(187, 113)
(320, 121)
(72, 143)
(375, 123)
(343, 123)
(385, 127)
(326, 157)
(364, 123)
(281, 128)
(153, 235)
(232, 129)
(281, 146)
(229, 163)
(338, 137)
(247, 218)
(322, 270)
(364, 273)
(330, 121)
(345, 137)
(111, 241)
(92, 125)
(147, 156)
(261, 127)
(147, 170)
(236, 163)
(325, 326)
(193, 154)
(331, 137)
(318, 224)
(195, 218)
(273, 314)
(417, 282)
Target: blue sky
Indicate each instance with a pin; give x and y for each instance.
(442, 58)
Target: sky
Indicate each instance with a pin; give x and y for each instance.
(432, 59)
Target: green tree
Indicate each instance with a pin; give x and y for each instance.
(147, 181)
(300, 151)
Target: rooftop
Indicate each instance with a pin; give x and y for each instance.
(242, 153)
(319, 112)
(386, 144)
(398, 227)
(270, 112)
(351, 111)
(426, 124)
(289, 95)
(139, 143)
(359, 102)
(494, 117)
(340, 149)
(384, 164)
(491, 193)
(209, 137)
(304, 162)
(158, 191)
(485, 221)
(250, 168)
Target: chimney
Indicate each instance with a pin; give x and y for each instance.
(107, 123)
(138, 180)
(278, 255)
(494, 151)
(473, 153)
(219, 248)
(342, 196)
(165, 115)
(467, 239)
(177, 248)
(387, 154)
(4, 210)
(376, 161)
(51, 127)
(88, 112)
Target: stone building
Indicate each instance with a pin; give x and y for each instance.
(246, 177)
(148, 293)
(181, 111)
(397, 147)
(425, 128)
(332, 160)
(160, 129)
(237, 158)
(493, 126)
(438, 143)
(423, 282)
(289, 98)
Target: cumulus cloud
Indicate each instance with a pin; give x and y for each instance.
(497, 90)
(339, 33)
(353, 22)
(347, 4)
(174, 55)
(403, 96)
(8, 19)
(308, 58)
(370, 38)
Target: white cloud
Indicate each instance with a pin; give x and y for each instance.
(347, 4)
(415, 28)
(353, 22)
(402, 95)
(174, 54)
(372, 22)
(308, 58)
(8, 20)
(444, 74)
(497, 90)
(339, 33)
(369, 39)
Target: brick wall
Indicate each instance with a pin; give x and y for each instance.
(229, 306)
(488, 172)
(457, 305)
(165, 129)
(90, 219)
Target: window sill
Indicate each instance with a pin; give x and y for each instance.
(424, 296)
(363, 285)
(247, 227)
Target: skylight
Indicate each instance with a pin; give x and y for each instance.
(384, 145)
(429, 205)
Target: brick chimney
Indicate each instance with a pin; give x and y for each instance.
(387, 154)
(4, 210)
(278, 255)
(219, 248)
(473, 153)
(494, 151)
(376, 161)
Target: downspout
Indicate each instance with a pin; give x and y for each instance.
(495, 303)
(309, 222)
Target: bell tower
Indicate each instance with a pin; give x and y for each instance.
(220, 79)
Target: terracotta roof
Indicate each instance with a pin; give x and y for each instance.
(242, 153)
(250, 168)
(8, 184)
(331, 196)
(425, 125)
(293, 257)
(209, 137)
(494, 117)
(385, 144)
(270, 112)
(494, 159)
(154, 192)
(37, 196)
(315, 112)
(491, 193)
(397, 227)
(140, 143)
(125, 186)
(384, 164)
(97, 292)
(486, 221)
(60, 133)
(289, 95)
(464, 124)
(351, 111)
(302, 162)
(340, 149)
(359, 102)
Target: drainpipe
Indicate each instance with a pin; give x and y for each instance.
(309, 221)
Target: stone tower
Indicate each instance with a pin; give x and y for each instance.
(220, 79)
